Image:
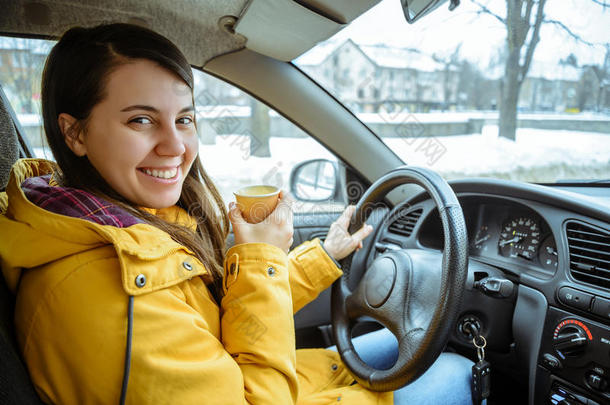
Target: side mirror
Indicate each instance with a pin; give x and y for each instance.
(316, 180)
(416, 9)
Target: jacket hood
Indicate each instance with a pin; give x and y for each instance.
(41, 223)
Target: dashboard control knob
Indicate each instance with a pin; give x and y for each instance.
(551, 361)
(570, 340)
(596, 381)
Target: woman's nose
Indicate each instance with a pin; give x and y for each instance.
(171, 141)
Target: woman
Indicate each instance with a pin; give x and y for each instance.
(117, 253)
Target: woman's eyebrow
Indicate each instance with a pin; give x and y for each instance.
(153, 109)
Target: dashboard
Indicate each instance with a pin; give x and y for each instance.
(503, 231)
(553, 246)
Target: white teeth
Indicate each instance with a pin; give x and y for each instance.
(162, 174)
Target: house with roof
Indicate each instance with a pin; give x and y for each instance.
(564, 87)
(369, 78)
(374, 78)
(550, 87)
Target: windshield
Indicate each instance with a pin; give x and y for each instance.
(451, 93)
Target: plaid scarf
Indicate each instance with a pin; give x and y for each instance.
(75, 203)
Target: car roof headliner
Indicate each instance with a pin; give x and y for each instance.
(191, 24)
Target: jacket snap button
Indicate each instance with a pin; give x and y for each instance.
(187, 266)
(334, 367)
(141, 280)
(271, 271)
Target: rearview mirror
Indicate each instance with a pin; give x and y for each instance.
(416, 9)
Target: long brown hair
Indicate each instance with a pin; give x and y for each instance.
(74, 81)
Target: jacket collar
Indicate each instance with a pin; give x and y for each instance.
(45, 193)
(141, 248)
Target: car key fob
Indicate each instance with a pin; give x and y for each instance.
(481, 381)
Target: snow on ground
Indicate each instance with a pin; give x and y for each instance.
(403, 116)
(536, 155)
(483, 153)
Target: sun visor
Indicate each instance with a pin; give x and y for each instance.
(285, 29)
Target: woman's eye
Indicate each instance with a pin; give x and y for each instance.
(141, 120)
(185, 120)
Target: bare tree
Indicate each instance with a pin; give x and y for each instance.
(474, 90)
(603, 101)
(523, 21)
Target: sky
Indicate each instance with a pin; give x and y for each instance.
(482, 36)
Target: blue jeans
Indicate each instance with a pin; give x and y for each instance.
(446, 382)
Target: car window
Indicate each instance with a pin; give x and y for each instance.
(242, 141)
(21, 64)
(434, 91)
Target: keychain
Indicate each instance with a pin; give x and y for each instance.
(481, 377)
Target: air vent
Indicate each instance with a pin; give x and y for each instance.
(589, 254)
(404, 225)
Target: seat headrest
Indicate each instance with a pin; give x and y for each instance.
(9, 143)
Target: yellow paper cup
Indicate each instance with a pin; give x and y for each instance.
(257, 202)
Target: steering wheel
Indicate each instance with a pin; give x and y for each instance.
(414, 293)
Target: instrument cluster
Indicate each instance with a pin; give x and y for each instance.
(501, 231)
(522, 237)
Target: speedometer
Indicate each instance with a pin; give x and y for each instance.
(520, 237)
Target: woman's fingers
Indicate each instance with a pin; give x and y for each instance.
(339, 243)
(283, 211)
(235, 214)
(344, 220)
(362, 233)
(354, 241)
(286, 199)
(346, 216)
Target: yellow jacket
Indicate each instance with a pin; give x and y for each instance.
(73, 279)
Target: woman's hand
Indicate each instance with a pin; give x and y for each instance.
(276, 229)
(339, 243)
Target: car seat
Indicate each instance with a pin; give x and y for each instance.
(9, 151)
(15, 384)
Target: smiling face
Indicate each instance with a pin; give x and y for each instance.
(141, 137)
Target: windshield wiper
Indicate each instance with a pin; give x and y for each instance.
(582, 181)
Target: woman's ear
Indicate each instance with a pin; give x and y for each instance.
(73, 135)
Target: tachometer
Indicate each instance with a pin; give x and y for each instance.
(481, 240)
(520, 237)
